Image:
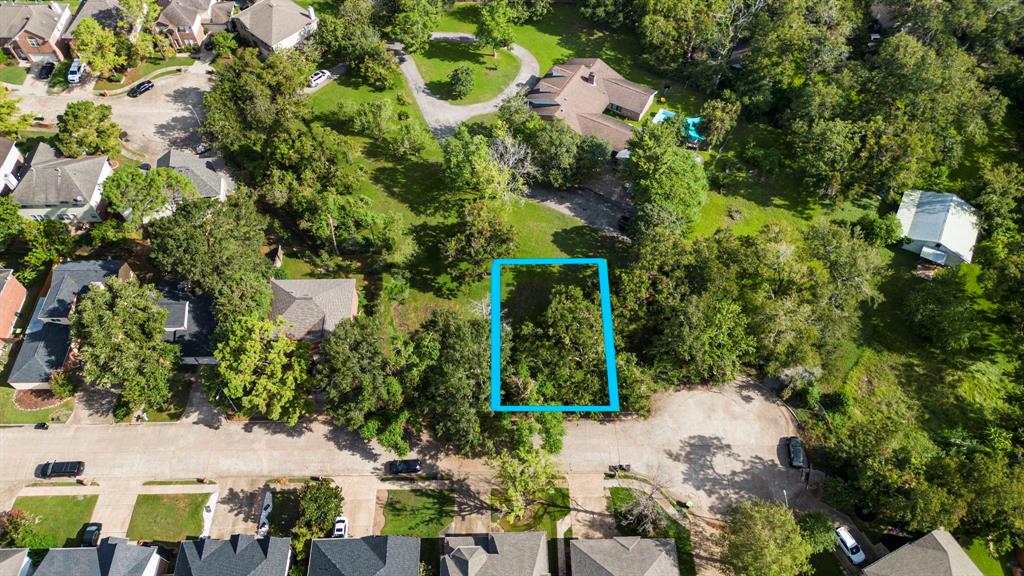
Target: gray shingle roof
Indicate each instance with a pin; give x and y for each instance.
(313, 307)
(498, 554)
(38, 19)
(624, 556)
(11, 561)
(272, 21)
(106, 12)
(69, 278)
(53, 180)
(42, 351)
(241, 555)
(367, 556)
(190, 321)
(201, 171)
(113, 557)
(935, 554)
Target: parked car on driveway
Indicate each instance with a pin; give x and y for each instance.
(340, 527)
(46, 70)
(849, 545)
(62, 469)
(140, 88)
(75, 72)
(319, 77)
(404, 466)
(91, 534)
(797, 458)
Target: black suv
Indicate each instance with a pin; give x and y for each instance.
(46, 70)
(404, 466)
(140, 88)
(62, 469)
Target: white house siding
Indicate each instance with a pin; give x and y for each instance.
(88, 212)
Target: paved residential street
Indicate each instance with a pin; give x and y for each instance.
(165, 117)
(711, 446)
(442, 116)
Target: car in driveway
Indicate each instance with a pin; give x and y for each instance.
(404, 466)
(46, 70)
(140, 88)
(797, 457)
(849, 545)
(62, 469)
(319, 77)
(75, 72)
(340, 527)
(91, 534)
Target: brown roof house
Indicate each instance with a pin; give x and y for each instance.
(312, 308)
(12, 297)
(187, 22)
(582, 90)
(935, 554)
(32, 32)
(275, 24)
(624, 556)
(11, 161)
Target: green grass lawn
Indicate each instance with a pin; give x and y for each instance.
(148, 68)
(826, 564)
(11, 414)
(61, 518)
(420, 513)
(181, 387)
(989, 564)
(619, 497)
(12, 74)
(491, 75)
(542, 516)
(168, 518)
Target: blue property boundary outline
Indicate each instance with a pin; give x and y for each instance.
(606, 328)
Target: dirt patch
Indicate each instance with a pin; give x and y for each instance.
(30, 400)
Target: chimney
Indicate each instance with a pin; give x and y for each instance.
(54, 7)
(590, 78)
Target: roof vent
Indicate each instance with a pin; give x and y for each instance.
(590, 78)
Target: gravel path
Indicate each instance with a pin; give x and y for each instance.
(442, 116)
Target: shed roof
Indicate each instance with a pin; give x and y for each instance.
(935, 554)
(941, 218)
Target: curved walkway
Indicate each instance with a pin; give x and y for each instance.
(442, 116)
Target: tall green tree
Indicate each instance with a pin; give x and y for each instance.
(494, 29)
(480, 236)
(120, 328)
(414, 22)
(320, 503)
(705, 340)
(523, 477)
(87, 128)
(97, 47)
(763, 538)
(12, 120)
(138, 195)
(719, 117)
(261, 370)
(215, 247)
(49, 242)
(11, 223)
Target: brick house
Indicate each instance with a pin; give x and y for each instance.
(32, 32)
(187, 23)
(12, 297)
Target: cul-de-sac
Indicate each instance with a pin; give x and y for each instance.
(511, 288)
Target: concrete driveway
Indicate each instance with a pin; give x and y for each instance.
(713, 446)
(165, 117)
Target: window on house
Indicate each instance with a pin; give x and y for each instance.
(33, 42)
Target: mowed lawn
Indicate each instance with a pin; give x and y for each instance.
(11, 414)
(12, 74)
(61, 518)
(420, 513)
(167, 518)
(542, 516)
(491, 75)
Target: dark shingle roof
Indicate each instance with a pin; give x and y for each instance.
(242, 555)
(42, 351)
(313, 307)
(190, 321)
(368, 556)
(113, 557)
(53, 180)
(69, 278)
(498, 554)
(106, 12)
(935, 554)
(201, 171)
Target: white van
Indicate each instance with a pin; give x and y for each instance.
(75, 72)
(849, 545)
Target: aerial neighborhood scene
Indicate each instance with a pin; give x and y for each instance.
(511, 288)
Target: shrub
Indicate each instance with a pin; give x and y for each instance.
(880, 231)
(62, 384)
(817, 530)
(461, 82)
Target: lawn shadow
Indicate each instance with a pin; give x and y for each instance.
(586, 242)
(415, 182)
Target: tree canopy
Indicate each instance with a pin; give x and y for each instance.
(87, 128)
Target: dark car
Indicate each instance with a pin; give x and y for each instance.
(404, 466)
(62, 469)
(46, 70)
(140, 88)
(797, 459)
(91, 534)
